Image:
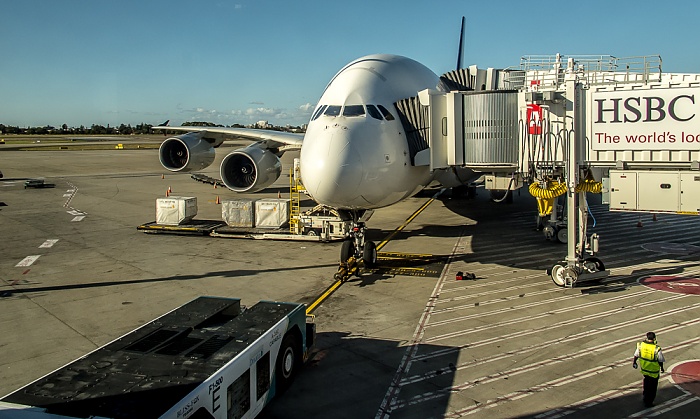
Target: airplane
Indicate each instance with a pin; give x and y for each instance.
(357, 154)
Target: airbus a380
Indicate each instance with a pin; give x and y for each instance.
(354, 155)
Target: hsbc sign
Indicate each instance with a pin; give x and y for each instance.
(656, 119)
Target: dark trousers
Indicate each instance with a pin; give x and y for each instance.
(650, 385)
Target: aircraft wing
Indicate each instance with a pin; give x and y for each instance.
(217, 135)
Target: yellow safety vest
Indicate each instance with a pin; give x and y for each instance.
(648, 359)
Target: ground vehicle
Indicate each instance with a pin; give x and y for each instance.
(207, 358)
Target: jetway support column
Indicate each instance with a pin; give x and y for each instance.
(575, 266)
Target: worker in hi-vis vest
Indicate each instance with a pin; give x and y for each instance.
(651, 361)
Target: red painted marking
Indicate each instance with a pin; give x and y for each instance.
(687, 376)
(677, 284)
(26, 272)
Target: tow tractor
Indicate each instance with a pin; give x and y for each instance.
(208, 358)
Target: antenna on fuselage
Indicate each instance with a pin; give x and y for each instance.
(461, 45)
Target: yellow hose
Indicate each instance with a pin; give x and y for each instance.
(554, 189)
(545, 196)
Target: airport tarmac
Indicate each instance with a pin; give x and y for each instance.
(75, 274)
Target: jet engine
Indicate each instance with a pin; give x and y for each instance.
(186, 152)
(250, 169)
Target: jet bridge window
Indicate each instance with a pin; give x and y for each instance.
(386, 113)
(354, 110)
(332, 111)
(374, 112)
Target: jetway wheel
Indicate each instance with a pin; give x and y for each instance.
(563, 276)
(561, 235)
(557, 274)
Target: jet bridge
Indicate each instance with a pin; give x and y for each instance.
(569, 126)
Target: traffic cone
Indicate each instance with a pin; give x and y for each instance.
(654, 218)
(279, 196)
(639, 223)
(162, 176)
(167, 192)
(218, 201)
(214, 185)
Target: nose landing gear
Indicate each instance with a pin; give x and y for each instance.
(357, 247)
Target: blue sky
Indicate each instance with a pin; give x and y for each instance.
(84, 62)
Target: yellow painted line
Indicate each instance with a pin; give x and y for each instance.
(321, 298)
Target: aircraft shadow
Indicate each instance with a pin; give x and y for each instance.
(8, 291)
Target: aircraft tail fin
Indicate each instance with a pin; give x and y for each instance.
(461, 46)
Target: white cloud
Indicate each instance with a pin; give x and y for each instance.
(307, 107)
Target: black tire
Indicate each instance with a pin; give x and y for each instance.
(369, 255)
(347, 250)
(288, 361)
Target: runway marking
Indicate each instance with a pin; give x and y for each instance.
(542, 302)
(28, 261)
(70, 194)
(598, 315)
(48, 243)
(558, 382)
(506, 374)
(78, 218)
(393, 391)
(627, 253)
(607, 396)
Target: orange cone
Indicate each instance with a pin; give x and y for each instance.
(162, 176)
(214, 185)
(218, 201)
(167, 192)
(279, 196)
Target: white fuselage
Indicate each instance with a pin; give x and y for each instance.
(352, 158)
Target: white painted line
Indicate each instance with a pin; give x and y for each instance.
(28, 261)
(74, 212)
(78, 218)
(65, 195)
(48, 243)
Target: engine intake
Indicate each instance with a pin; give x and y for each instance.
(186, 152)
(250, 169)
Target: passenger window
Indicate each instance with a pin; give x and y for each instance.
(374, 112)
(386, 113)
(238, 396)
(262, 373)
(353, 110)
(332, 111)
(319, 112)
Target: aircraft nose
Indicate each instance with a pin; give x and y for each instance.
(331, 168)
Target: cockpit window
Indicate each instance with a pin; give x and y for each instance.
(386, 113)
(319, 112)
(373, 112)
(353, 110)
(332, 111)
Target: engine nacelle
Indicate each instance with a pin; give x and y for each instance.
(186, 152)
(250, 169)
